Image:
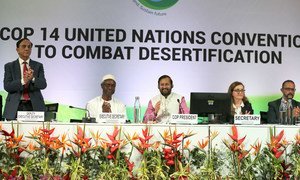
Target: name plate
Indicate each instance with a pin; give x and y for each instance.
(30, 116)
(112, 118)
(247, 119)
(184, 119)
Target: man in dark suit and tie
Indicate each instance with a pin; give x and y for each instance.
(23, 80)
(288, 91)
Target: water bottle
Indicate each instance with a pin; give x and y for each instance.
(283, 113)
(290, 112)
(137, 110)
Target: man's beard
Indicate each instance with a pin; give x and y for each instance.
(290, 96)
(165, 93)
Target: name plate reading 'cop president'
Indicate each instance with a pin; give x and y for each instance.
(30, 116)
(247, 119)
(184, 119)
(111, 118)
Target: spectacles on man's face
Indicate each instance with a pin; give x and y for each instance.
(289, 89)
(239, 90)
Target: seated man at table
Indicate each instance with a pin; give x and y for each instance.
(161, 107)
(106, 103)
(288, 92)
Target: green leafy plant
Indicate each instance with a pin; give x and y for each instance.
(272, 162)
(207, 160)
(295, 157)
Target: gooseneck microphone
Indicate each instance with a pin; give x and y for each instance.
(180, 107)
(87, 118)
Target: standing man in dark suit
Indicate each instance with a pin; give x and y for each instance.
(288, 91)
(23, 80)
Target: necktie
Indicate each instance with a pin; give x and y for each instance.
(25, 90)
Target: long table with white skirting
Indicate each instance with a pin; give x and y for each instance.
(253, 133)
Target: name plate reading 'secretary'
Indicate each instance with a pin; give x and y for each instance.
(30, 116)
(112, 118)
(247, 119)
(184, 119)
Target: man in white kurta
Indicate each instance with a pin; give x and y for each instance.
(106, 103)
(161, 107)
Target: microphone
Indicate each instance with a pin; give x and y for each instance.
(87, 118)
(180, 107)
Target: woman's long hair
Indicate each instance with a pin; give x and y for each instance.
(230, 91)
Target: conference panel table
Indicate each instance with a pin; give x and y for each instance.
(253, 133)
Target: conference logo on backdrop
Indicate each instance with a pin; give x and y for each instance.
(155, 7)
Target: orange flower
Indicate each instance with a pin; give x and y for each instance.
(214, 134)
(166, 135)
(256, 148)
(144, 144)
(186, 145)
(203, 144)
(171, 152)
(188, 134)
(297, 138)
(134, 137)
(236, 145)
(97, 138)
(276, 139)
(32, 147)
(35, 133)
(275, 146)
(103, 145)
(46, 140)
(235, 136)
(114, 145)
(173, 140)
(243, 154)
(82, 142)
(156, 144)
(14, 141)
(285, 142)
(64, 142)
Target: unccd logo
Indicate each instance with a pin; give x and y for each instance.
(158, 4)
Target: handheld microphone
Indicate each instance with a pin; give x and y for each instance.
(87, 118)
(180, 107)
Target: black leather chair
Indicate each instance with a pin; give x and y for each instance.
(263, 117)
(1, 106)
(51, 110)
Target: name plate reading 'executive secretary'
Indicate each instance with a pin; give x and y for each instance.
(112, 118)
(30, 116)
(184, 119)
(247, 119)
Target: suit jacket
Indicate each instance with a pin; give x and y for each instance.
(14, 87)
(273, 111)
(247, 107)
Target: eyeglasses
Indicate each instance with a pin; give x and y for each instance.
(239, 90)
(289, 89)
